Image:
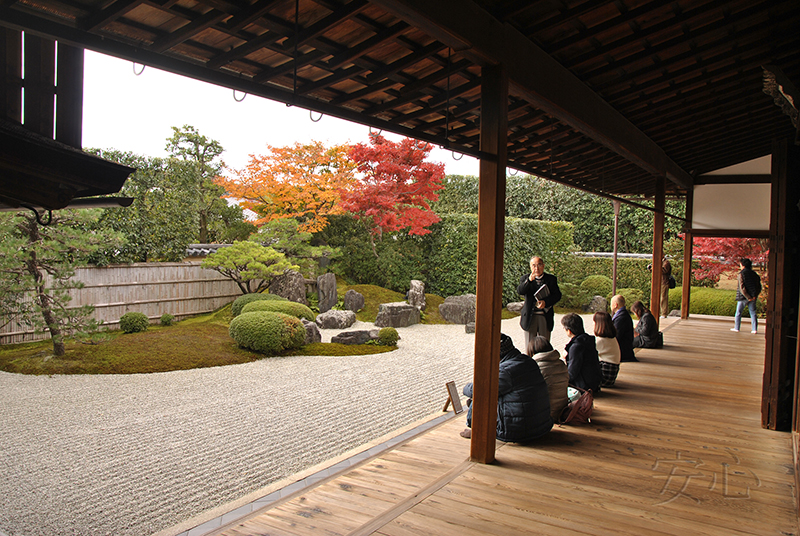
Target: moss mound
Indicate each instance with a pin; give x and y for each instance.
(241, 301)
(286, 307)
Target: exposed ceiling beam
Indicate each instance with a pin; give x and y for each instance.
(536, 77)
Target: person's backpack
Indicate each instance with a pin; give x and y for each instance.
(672, 282)
(578, 411)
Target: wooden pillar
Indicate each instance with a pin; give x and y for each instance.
(686, 287)
(616, 205)
(11, 72)
(780, 360)
(658, 247)
(39, 84)
(491, 230)
(69, 95)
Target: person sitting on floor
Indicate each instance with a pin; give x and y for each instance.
(523, 404)
(582, 361)
(624, 327)
(554, 371)
(646, 330)
(608, 351)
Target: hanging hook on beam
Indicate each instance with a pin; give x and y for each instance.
(140, 70)
(311, 116)
(238, 100)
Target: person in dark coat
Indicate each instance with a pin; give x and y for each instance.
(582, 361)
(747, 290)
(537, 315)
(523, 403)
(646, 330)
(624, 326)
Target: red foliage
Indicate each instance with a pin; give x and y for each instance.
(395, 186)
(721, 255)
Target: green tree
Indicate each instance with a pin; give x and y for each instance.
(215, 215)
(251, 266)
(283, 236)
(162, 221)
(39, 261)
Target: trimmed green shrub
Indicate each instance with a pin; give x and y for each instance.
(711, 301)
(286, 307)
(241, 301)
(267, 332)
(631, 295)
(133, 322)
(597, 285)
(572, 296)
(167, 319)
(388, 336)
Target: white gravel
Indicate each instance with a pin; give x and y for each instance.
(135, 454)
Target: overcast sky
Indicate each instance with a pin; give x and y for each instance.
(133, 113)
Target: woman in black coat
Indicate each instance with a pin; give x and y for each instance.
(523, 403)
(646, 335)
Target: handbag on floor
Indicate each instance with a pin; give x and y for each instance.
(578, 411)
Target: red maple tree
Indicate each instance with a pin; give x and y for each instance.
(395, 186)
(717, 256)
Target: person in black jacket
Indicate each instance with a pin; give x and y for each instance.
(646, 330)
(523, 403)
(537, 315)
(582, 361)
(747, 291)
(624, 326)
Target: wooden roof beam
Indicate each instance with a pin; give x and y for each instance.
(536, 77)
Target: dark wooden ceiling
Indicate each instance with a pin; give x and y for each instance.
(638, 87)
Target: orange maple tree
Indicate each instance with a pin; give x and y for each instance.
(395, 185)
(301, 181)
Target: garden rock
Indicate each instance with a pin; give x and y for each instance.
(597, 304)
(355, 337)
(458, 309)
(416, 294)
(312, 331)
(397, 315)
(353, 301)
(469, 327)
(515, 307)
(326, 287)
(336, 319)
(291, 285)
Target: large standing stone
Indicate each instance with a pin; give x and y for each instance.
(312, 332)
(336, 319)
(397, 315)
(291, 285)
(416, 294)
(326, 287)
(355, 337)
(458, 309)
(353, 301)
(597, 304)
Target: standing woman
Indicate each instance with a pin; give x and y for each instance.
(607, 347)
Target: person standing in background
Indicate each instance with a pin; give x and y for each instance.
(541, 294)
(747, 291)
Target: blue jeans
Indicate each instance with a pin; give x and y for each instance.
(740, 305)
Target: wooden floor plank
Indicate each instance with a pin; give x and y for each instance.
(675, 448)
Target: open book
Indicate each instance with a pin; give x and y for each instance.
(541, 293)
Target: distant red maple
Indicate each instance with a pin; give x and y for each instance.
(717, 256)
(395, 185)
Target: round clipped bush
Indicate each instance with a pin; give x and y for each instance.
(287, 307)
(572, 296)
(597, 285)
(388, 336)
(267, 332)
(631, 295)
(241, 301)
(167, 319)
(133, 322)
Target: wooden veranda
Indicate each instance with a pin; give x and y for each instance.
(676, 447)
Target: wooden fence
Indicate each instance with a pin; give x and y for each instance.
(182, 289)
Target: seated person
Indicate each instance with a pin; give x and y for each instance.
(582, 361)
(624, 326)
(605, 336)
(523, 404)
(554, 371)
(646, 331)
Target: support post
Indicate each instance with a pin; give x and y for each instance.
(616, 205)
(658, 247)
(686, 285)
(11, 74)
(69, 95)
(39, 84)
(491, 230)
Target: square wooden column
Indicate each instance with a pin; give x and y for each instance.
(658, 247)
(688, 245)
(69, 95)
(491, 230)
(11, 72)
(39, 84)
